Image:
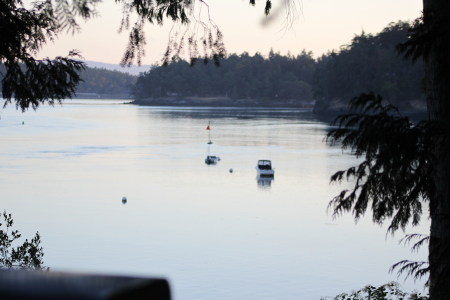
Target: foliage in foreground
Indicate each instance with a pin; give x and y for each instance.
(394, 180)
(26, 81)
(389, 291)
(28, 256)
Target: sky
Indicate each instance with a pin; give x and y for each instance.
(321, 26)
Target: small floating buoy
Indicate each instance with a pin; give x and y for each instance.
(124, 200)
(23, 123)
(231, 170)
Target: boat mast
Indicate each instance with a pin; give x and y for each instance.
(209, 132)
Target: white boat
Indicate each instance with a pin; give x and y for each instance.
(264, 168)
(210, 159)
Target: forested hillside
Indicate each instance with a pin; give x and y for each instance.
(238, 77)
(367, 63)
(105, 82)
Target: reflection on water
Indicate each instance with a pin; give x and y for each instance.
(213, 233)
(220, 113)
(264, 182)
(230, 127)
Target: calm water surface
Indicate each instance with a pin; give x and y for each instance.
(213, 234)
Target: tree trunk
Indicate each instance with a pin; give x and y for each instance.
(437, 70)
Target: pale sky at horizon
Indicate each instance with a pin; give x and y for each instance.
(324, 25)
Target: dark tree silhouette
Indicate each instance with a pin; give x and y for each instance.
(27, 256)
(428, 40)
(28, 81)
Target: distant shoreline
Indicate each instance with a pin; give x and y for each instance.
(102, 96)
(415, 113)
(219, 102)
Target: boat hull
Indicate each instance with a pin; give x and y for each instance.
(265, 173)
(212, 160)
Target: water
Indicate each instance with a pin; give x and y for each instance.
(212, 233)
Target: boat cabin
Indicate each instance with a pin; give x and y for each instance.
(264, 164)
(264, 168)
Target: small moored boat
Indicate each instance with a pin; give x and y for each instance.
(264, 168)
(211, 159)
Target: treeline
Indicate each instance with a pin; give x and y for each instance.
(367, 63)
(100, 81)
(238, 77)
(103, 81)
